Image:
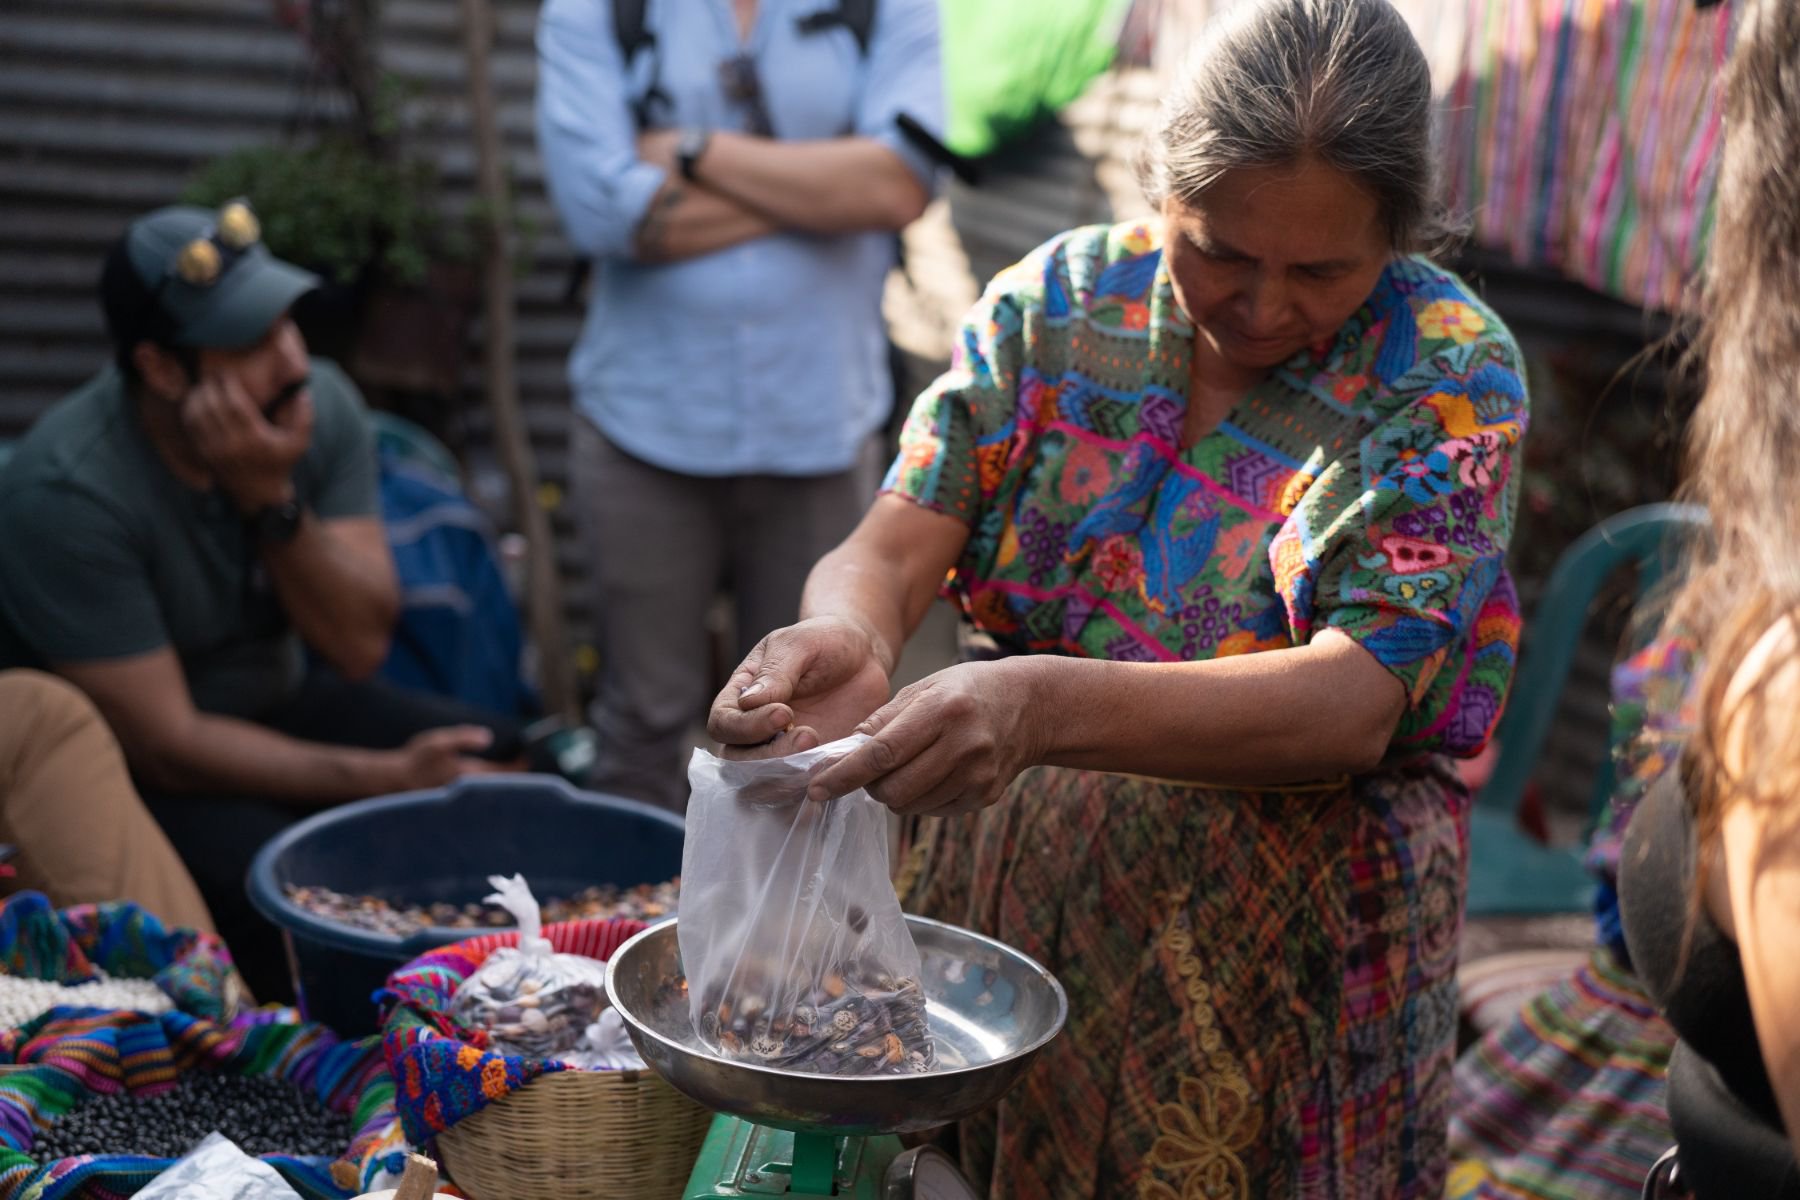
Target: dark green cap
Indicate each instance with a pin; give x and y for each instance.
(206, 279)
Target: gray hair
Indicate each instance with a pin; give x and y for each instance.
(1275, 82)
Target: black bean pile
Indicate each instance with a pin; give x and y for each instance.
(262, 1115)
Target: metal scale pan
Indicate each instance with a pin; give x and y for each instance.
(991, 1010)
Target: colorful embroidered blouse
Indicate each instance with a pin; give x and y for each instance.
(1367, 485)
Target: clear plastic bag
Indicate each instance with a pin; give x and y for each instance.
(215, 1169)
(796, 952)
(532, 1001)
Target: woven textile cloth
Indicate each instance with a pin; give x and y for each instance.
(1262, 996)
(1566, 1100)
(77, 944)
(74, 1052)
(71, 1053)
(1584, 135)
(443, 1072)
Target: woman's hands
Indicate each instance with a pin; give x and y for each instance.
(801, 687)
(948, 744)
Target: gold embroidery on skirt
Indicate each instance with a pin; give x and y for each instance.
(1204, 1134)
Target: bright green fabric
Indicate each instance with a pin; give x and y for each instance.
(1009, 62)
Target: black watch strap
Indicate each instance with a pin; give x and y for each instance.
(688, 149)
(278, 523)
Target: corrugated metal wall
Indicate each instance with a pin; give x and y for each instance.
(104, 108)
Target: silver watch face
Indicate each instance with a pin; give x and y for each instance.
(689, 148)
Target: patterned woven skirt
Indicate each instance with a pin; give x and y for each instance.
(1566, 1102)
(1261, 983)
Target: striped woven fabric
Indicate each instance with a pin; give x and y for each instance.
(1583, 135)
(78, 944)
(1566, 1099)
(75, 1051)
(1567, 1102)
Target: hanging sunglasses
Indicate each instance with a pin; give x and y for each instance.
(743, 86)
(203, 261)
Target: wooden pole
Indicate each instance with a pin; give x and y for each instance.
(543, 599)
(419, 1181)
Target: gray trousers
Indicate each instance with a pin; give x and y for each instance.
(660, 546)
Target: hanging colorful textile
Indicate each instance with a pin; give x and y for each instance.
(1583, 135)
(1577, 135)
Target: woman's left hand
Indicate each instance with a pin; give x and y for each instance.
(950, 743)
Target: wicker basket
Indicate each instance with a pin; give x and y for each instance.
(576, 1135)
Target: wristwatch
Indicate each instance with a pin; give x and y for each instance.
(688, 149)
(277, 524)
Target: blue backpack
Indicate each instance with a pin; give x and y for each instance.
(459, 632)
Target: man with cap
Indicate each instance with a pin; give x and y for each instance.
(184, 527)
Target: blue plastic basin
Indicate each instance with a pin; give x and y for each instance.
(441, 845)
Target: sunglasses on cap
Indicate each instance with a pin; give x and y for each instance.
(205, 259)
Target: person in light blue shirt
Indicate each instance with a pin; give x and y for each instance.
(738, 175)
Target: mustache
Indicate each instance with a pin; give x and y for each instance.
(280, 399)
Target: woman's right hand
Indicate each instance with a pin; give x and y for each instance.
(801, 687)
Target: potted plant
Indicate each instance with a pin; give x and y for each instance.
(399, 283)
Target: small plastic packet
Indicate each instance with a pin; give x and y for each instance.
(215, 1169)
(531, 1001)
(796, 952)
(605, 1046)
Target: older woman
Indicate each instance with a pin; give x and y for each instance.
(1227, 495)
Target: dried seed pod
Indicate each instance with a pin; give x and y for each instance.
(843, 1020)
(764, 1047)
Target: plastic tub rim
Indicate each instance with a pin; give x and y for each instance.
(268, 898)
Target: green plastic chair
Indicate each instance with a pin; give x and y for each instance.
(1510, 872)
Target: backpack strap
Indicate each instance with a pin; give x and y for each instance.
(630, 28)
(858, 16)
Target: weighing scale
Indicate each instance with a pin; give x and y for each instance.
(803, 1136)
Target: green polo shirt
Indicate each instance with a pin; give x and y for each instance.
(105, 554)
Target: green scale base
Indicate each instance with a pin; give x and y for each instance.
(740, 1159)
